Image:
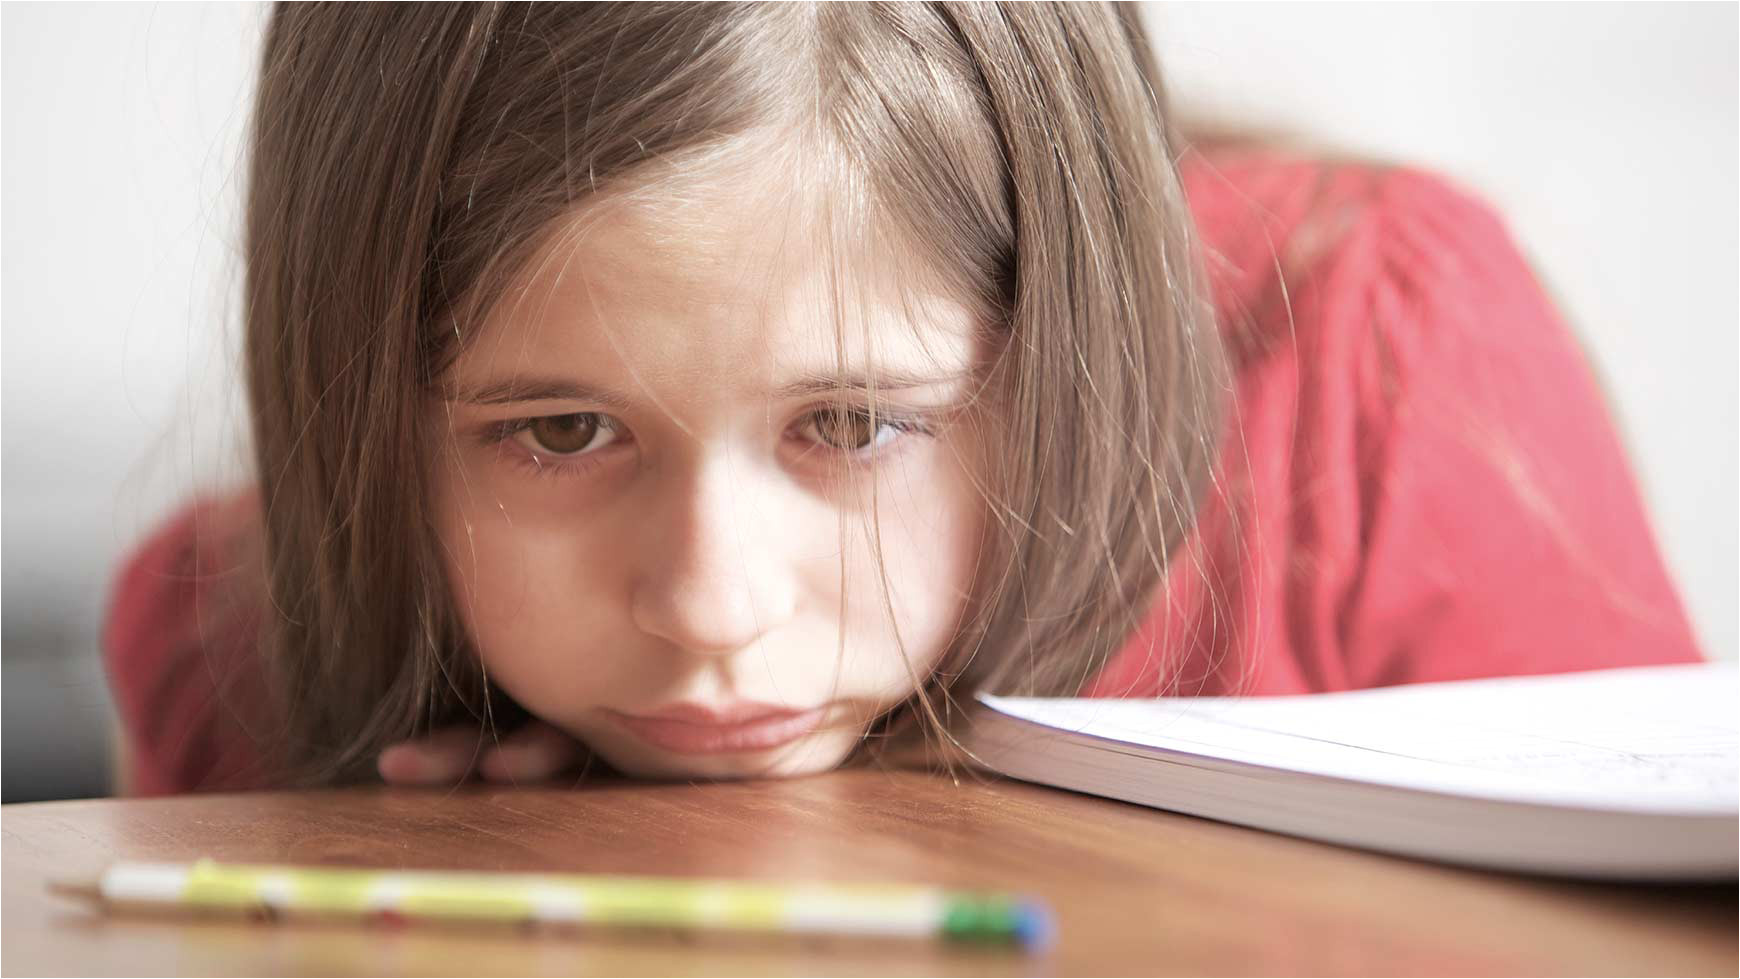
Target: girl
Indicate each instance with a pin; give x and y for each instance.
(734, 389)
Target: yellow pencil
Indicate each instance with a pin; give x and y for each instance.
(270, 892)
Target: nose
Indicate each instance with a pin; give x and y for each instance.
(715, 575)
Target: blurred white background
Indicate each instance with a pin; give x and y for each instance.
(1605, 133)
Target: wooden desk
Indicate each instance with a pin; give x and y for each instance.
(1136, 891)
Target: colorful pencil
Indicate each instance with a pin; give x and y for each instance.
(891, 911)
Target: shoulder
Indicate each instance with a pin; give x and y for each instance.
(1442, 491)
(181, 617)
(1370, 280)
(1274, 224)
(161, 581)
(1243, 196)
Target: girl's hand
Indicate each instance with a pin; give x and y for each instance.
(532, 753)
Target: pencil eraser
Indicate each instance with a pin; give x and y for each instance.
(1035, 927)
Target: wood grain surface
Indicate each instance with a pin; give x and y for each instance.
(1136, 891)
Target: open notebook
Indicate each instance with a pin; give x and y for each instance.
(1626, 773)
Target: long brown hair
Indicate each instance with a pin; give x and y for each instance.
(408, 158)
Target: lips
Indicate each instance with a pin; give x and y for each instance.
(696, 729)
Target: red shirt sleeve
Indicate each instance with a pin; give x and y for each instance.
(177, 647)
(1419, 479)
(1505, 532)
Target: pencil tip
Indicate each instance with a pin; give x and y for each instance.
(83, 890)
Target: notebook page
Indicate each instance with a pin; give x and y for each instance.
(1654, 739)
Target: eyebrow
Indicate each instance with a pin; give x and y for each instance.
(524, 388)
(513, 390)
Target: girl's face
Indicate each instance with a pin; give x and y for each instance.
(660, 519)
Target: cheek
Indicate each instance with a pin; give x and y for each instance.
(929, 520)
(525, 595)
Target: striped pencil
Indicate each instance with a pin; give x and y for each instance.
(270, 892)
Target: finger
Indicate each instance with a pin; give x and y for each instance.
(445, 756)
(536, 751)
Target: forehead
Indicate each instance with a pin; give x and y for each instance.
(727, 278)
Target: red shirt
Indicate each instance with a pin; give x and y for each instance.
(1418, 482)
(1421, 482)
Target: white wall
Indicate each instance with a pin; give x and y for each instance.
(121, 131)
(1608, 134)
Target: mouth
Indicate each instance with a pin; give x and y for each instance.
(695, 729)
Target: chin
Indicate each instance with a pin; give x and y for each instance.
(808, 757)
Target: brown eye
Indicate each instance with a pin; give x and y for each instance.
(565, 434)
(844, 428)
